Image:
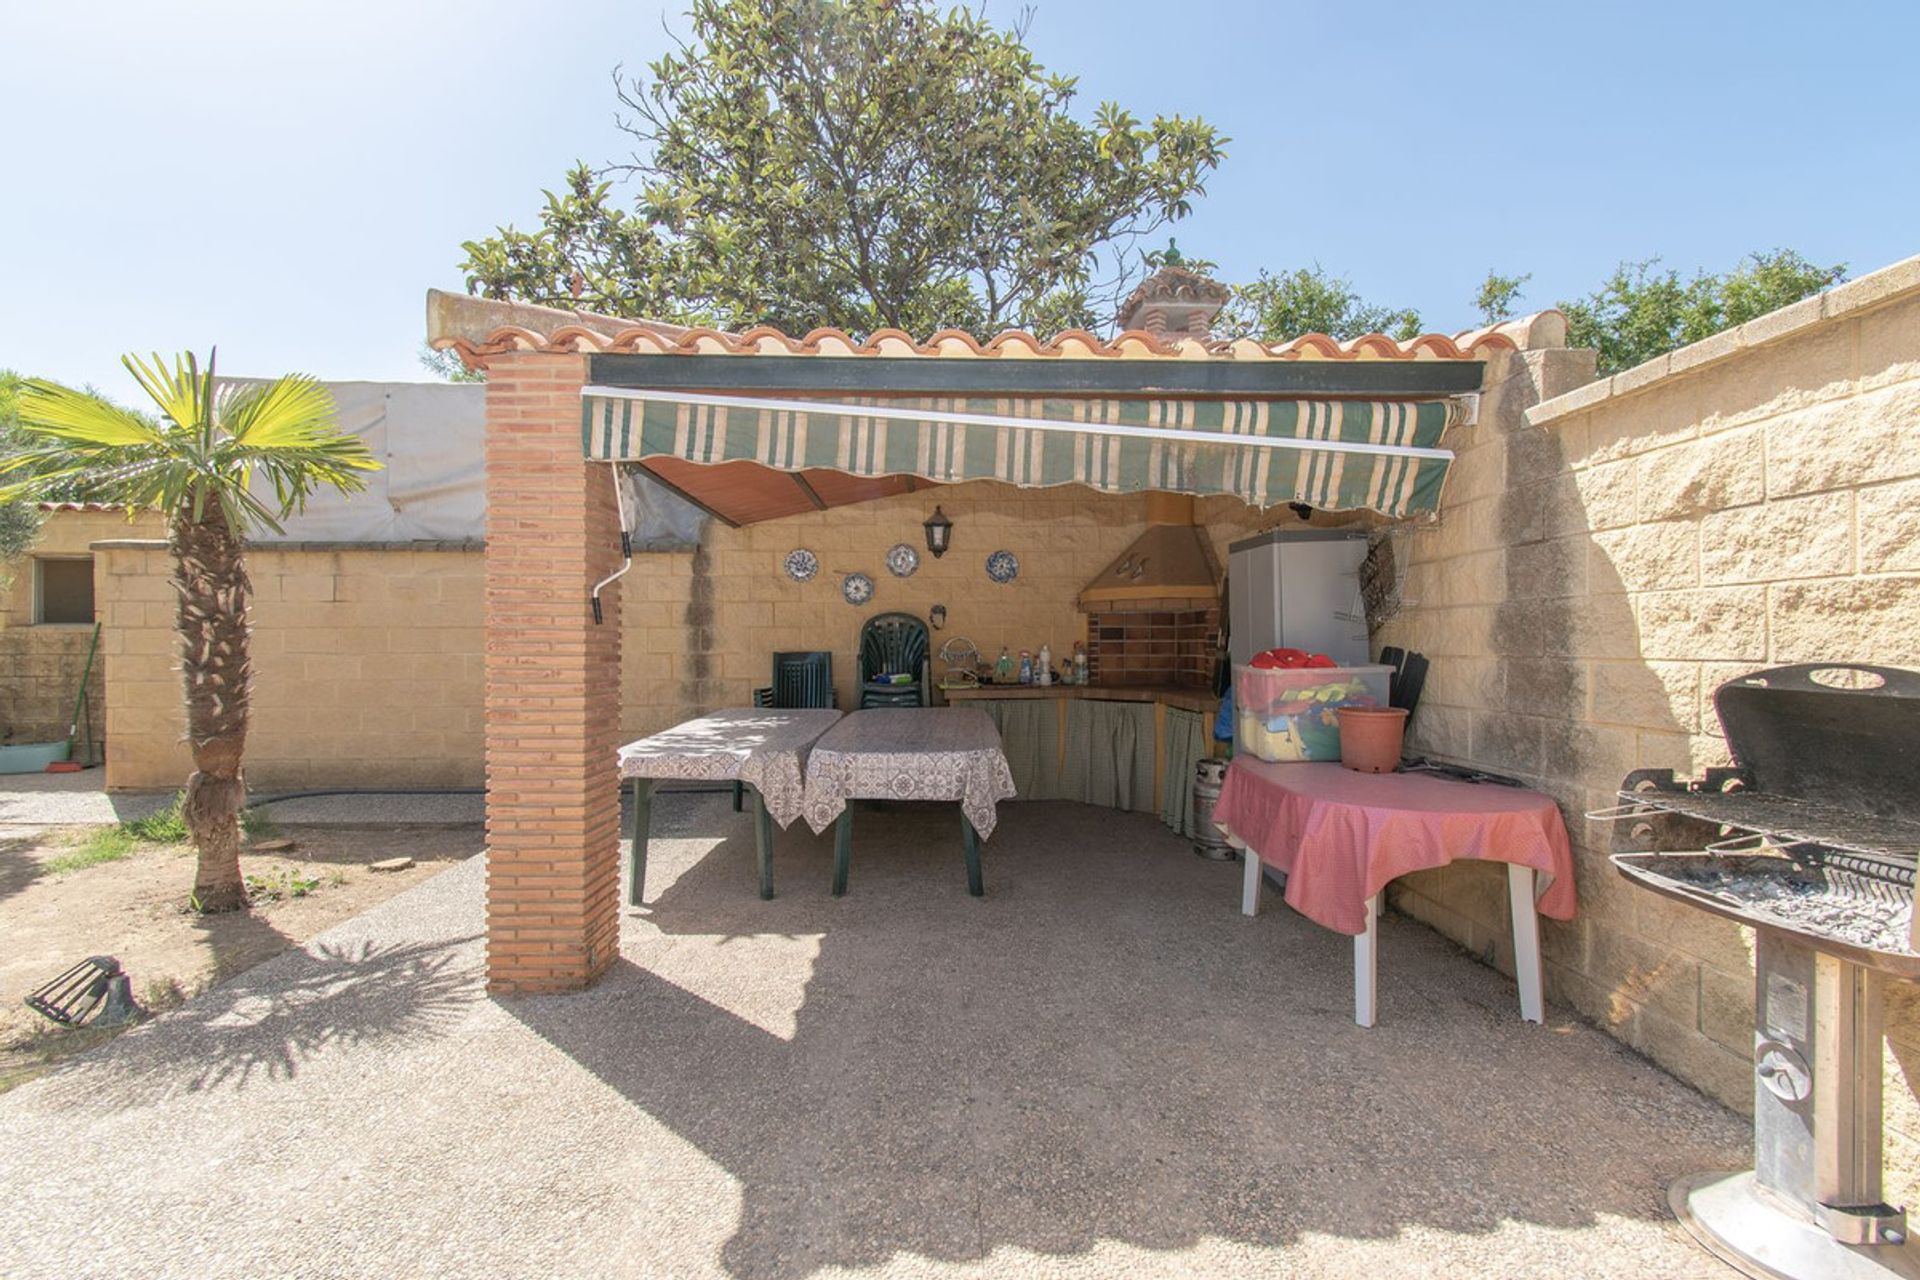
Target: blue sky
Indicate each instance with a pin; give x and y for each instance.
(287, 179)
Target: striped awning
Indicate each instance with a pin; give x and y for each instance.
(1380, 455)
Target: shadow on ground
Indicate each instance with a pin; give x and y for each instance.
(327, 996)
(1100, 1050)
(18, 867)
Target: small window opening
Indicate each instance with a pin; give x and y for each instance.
(63, 590)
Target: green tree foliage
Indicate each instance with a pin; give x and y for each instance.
(19, 517)
(1642, 312)
(856, 164)
(447, 366)
(1286, 304)
(1497, 295)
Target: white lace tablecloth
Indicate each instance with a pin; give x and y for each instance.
(909, 753)
(762, 746)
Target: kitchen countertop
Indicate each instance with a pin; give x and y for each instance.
(1172, 695)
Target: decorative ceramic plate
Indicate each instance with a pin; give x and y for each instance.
(856, 588)
(902, 560)
(802, 564)
(1003, 566)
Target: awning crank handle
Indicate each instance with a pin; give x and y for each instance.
(626, 544)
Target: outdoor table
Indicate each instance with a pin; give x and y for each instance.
(909, 753)
(1339, 836)
(763, 747)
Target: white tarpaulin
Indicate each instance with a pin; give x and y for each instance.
(430, 439)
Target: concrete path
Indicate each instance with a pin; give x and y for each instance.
(77, 799)
(1101, 1069)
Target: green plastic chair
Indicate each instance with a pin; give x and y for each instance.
(803, 678)
(893, 644)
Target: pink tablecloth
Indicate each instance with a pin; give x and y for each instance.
(1340, 836)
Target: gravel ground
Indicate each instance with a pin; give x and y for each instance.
(1101, 1069)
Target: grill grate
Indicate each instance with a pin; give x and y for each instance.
(1792, 818)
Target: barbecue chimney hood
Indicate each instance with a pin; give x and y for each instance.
(1169, 567)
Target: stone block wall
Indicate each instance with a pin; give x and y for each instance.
(367, 660)
(1604, 561)
(367, 668)
(40, 664)
(700, 625)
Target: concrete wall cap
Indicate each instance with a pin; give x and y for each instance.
(1901, 280)
(1572, 402)
(1874, 288)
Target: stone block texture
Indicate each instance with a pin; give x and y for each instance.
(1747, 511)
(367, 668)
(40, 664)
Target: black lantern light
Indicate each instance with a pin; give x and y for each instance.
(939, 532)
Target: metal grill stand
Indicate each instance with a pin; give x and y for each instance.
(1811, 1208)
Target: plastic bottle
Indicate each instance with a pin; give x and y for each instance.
(1079, 663)
(1045, 674)
(1026, 666)
(1003, 669)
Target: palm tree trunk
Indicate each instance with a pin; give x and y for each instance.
(210, 575)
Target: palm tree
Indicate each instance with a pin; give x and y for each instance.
(197, 462)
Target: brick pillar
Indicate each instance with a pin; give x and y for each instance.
(553, 685)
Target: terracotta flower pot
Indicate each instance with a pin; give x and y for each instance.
(1370, 738)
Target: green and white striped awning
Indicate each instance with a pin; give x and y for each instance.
(1381, 455)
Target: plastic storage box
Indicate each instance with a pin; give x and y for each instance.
(1288, 714)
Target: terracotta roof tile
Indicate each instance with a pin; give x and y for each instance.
(1012, 344)
(604, 335)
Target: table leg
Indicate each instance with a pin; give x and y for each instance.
(842, 849)
(1366, 956)
(763, 842)
(642, 817)
(1250, 883)
(970, 843)
(1526, 942)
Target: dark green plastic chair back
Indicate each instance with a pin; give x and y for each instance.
(800, 679)
(893, 644)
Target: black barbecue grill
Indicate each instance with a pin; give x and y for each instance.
(1812, 839)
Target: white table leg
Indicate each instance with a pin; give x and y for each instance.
(1250, 884)
(1526, 942)
(1366, 969)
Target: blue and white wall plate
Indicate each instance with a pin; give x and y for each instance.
(856, 588)
(1003, 566)
(802, 564)
(902, 560)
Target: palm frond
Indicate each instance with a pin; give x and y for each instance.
(180, 393)
(51, 409)
(202, 457)
(290, 410)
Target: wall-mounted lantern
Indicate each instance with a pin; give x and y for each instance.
(939, 532)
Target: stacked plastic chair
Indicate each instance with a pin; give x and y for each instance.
(894, 644)
(802, 678)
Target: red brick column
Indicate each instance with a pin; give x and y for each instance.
(553, 685)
